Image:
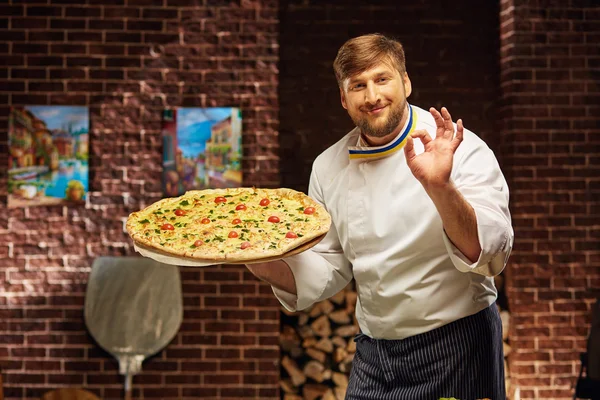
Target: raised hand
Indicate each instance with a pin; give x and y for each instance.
(433, 167)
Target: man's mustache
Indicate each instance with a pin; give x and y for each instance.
(373, 107)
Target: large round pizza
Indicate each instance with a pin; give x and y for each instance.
(229, 225)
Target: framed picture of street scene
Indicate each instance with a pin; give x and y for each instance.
(48, 155)
(202, 149)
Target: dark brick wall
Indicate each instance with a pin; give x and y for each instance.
(550, 90)
(452, 60)
(127, 60)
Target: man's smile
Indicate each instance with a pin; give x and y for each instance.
(376, 110)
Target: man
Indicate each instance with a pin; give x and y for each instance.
(421, 222)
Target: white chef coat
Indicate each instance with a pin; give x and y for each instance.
(387, 234)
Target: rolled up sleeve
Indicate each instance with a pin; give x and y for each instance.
(479, 179)
(319, 272)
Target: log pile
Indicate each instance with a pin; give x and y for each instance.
(317, 348)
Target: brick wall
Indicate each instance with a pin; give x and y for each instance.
(127, 60)
(451, 60)
(549, 79)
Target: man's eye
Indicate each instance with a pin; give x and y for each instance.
(382, 79)
(359, 86)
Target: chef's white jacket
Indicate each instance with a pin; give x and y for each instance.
(387, 234)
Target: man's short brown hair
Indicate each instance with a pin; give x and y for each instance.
(364, 52)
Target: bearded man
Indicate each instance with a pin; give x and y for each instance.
(420, 220)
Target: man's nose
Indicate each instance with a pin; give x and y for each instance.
(371, 94)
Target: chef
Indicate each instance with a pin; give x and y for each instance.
(420, 220)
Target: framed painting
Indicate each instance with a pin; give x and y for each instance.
(48, 155)
(202, 149)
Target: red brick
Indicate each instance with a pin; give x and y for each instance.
(199, 366)
(183, 380)
(22, 378)
(28, 353)
(534, 382)
(221, 301)
(66, 379)
(262, 379)
(195, 314)
(222, 327)
(260, 353)
(160, 393)
(221, 379)
(230, 392)
(42, 365)
(556, 393)
(530, 356)
(203, 392)
(219, 276)
(238, 314)
(557, 369)
(522, 369)
(66, 352)
(238, 340)
(260, 327)
(565, 355)
(222, 353)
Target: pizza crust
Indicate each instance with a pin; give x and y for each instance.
(167, 258)
(215, 253)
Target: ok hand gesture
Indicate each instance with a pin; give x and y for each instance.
(433, 167)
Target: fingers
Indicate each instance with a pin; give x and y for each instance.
(422, 135)
(444, 124)
(439, 120)
(459, 134)
(447, 121)
(409, 149)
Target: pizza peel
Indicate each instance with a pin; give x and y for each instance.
(172, 259)
(133, 308)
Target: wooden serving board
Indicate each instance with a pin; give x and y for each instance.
(167, 258)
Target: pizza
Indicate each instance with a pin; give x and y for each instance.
(229, 225)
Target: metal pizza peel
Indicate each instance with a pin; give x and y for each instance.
(133, 308)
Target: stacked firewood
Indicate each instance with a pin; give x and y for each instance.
(317, 348)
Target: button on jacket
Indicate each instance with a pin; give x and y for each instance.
(387, 234)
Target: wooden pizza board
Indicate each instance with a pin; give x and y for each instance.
(167, 258)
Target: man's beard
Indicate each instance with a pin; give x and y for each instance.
(393, 120)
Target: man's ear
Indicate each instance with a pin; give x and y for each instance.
(407, 85)
(343, 98)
